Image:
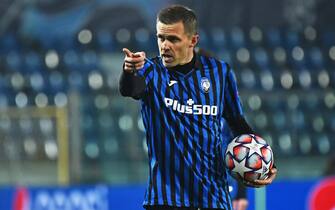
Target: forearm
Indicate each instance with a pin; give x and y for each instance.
(131, 85)
(239, 126)
(241, 191)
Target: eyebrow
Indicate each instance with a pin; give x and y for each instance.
(168, 37)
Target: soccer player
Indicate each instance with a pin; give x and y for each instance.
(184, 95)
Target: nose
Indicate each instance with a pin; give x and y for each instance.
(165, 45)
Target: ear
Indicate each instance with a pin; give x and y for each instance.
(194, 40)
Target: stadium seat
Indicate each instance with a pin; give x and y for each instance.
(71, 60)
(297, 119)
(56, 82)
(41, 100)
(32, 62)
(218, 37)
(30, 148)
(305, 79)
(256, 36)
(77, 81)
(323, 79)
(92, 149)
(4, 102)
(318, 123)
(311, 103)
(261, 121)
(13, 60)
(279, 121)
(323, 144)
(329, 101)
(51, 149)
(291, 39)
(143, 39)
(305, 144)
(273, 37)
(237, 38)
(12, 148)
(261, 58)
(279, 55)
(287, 80)
(17, 81)
(26, 125)
(315, 56)
(101, 103)
(328, 38)
(96, 80)
(60, 99)
(5, 123)
(88, 124)
(266, 80)
(90, 60)
(248, 79)
(105, 40)
(286, 144)
(46, 126)
(22, 100)
(37, 81)
(111, 147)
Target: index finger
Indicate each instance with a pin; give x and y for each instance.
(127, 52)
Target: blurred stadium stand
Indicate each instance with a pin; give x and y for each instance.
(68, 54)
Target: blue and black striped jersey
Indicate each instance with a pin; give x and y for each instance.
(182, 115)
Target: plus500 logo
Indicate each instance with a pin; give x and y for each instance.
(191, 108)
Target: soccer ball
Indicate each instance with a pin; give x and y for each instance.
(249, 157)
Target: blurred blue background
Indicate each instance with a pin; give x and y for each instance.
(62, 120)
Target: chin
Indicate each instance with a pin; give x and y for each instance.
(168, 65)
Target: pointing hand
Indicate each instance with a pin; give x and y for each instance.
(133, 61)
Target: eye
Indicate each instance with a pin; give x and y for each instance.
(173, 39)
(161, 38)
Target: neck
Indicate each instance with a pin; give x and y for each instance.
(186, 67)
(188, 58)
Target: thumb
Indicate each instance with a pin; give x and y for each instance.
(127, 52)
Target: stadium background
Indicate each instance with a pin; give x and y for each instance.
(68, 138)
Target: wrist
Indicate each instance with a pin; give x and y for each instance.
(128, 70)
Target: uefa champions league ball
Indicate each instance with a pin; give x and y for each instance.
(249, 157)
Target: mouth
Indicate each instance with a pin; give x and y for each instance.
(168, 58)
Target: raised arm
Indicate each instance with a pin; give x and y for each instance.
(130, 83)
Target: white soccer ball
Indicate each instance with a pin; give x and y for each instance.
(249, 157)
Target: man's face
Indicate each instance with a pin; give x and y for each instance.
(175, 46)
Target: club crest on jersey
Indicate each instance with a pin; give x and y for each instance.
(205, 84)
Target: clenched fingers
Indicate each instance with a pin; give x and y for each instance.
(269, 180)
(131, 66)
(262, 183)
(133, 59)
